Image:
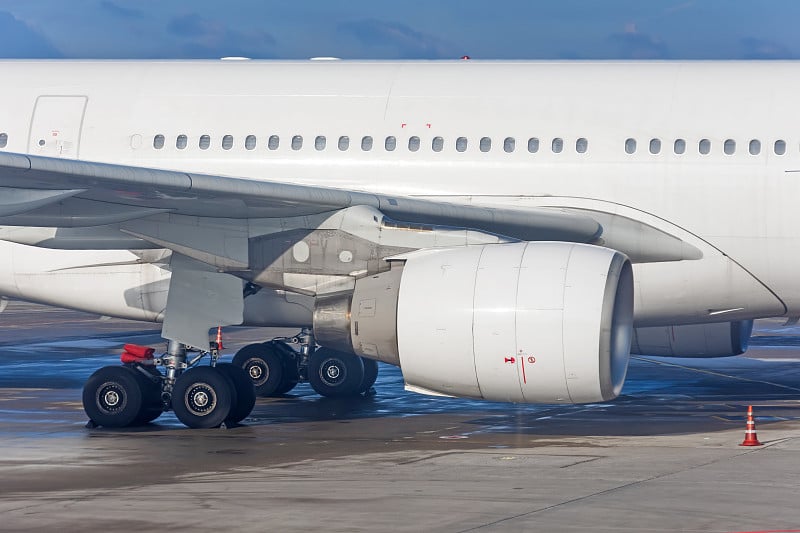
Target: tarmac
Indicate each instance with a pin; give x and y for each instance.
(665, 456)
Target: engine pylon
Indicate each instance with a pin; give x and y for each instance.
(750, 437)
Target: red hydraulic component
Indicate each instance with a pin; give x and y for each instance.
(133, 353)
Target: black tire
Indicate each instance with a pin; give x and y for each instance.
(152, 406)
(370, 374)
(291, 374)
(202, 397)
(262, 365)
(286, 386)
(243, 389)
(112, 397)
(335, 374)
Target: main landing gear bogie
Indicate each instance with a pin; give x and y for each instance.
(136, 392)
(275, 368)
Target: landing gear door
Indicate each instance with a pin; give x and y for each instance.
(56, 126)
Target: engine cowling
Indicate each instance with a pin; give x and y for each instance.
(722, 339)
(535, 322)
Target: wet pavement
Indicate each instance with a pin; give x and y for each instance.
(662, 457)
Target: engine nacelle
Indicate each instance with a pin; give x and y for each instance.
(535, 322)
(723, 339)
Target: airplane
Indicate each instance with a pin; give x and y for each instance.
(503, 230)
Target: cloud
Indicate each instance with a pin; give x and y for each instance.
(204, 38)
(407, 42)
(18, 40)
(632, 44)
(754, 48)
(121, 12)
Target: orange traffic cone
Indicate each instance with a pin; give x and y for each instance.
(750, 437)
(219, 337)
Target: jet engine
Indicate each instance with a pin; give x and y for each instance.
(722, 339)
(533, 322)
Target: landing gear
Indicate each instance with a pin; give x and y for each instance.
(137, 392)
(335, 374)
(113, 397)
(271, 366)
(275, 368)
(245, 394)
(203, 397)
(262, 365)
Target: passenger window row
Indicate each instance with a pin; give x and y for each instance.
(390, 143)
(3, 140)
(704, 146)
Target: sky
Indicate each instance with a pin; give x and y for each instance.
(400, 29)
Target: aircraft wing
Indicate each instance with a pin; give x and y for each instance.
(52, 192)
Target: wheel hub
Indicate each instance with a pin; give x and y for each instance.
(110, 397)
(332, 372)
(201, 399)
(257, 370)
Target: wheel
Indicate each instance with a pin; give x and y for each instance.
(243, 389)
(286, 386)
(335, 374)
(112, 397)
(152, 406)
(202, 397)
(370, 374)
(262, 363)
(291, 376)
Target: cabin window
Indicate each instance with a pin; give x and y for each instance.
(250, 142)
(297, 142)
(158, 142)
(581, 145)
(366, 143)
(273, 142)
(437, 144)
(755, 147)
(390, 143)
(181, 142)
(729, 147)
(679, 147)
(509, 145)
(227, 142)
(780, 147)
(655, 146)
(461, 144)
(3, 140)
(320, 142)
(205, 142)
(533, 145)
(344, 143)
(630, 146)
(485, 144)
(413, 143)
(704, 146)
(558, 145)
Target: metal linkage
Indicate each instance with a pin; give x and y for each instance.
(307, 344)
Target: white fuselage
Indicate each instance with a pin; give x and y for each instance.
(578, 118)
